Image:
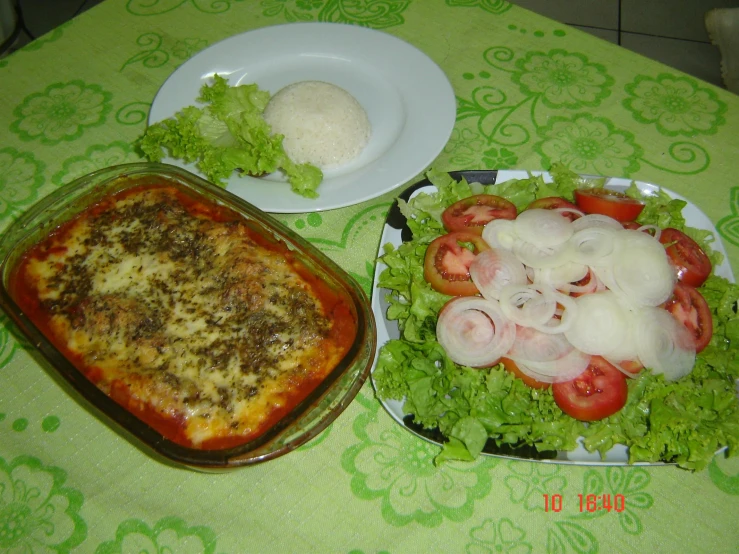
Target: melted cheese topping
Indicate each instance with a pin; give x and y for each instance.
(172, 311)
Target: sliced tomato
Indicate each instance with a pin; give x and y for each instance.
(691, 262)
(608, 202)
(588, 284)
(689, 307)
(635, 226)
(633, 367)
(554, 203)
(446, 266)
(598, 392)
(474, 212)
(511, 366)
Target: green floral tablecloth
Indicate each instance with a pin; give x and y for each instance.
(529, 91)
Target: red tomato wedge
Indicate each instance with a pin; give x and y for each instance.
(600, 391)
(689, 307)
(608, 202)
(588, 284)
(633, 367)
(631, 225)
(554, 203)
(634, 226)
(473, 213)
(511, 366)
(691, 262)
(447, 263)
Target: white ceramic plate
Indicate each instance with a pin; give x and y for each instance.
(407, 97)
(387, 330)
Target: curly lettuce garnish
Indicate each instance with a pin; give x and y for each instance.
(228, 134)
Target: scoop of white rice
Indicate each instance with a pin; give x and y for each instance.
(323, 124)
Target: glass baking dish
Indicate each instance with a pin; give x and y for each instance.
(308, 418)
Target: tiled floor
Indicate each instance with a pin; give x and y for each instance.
(670, 31)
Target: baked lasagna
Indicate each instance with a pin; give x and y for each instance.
(186, 313)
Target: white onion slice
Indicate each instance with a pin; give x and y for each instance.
(601, 327)
(493, 269)
(595, 220)
(558, 276)
(533, 256)
(543, 228)
(499, 233)
(592, 285)
(546, 358)
(664, 345)
(640, 272)
(567, 318)
(592, 245)
(534, 346)
(528, 305)
(474, 332)
(563, 369)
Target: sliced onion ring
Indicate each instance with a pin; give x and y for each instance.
(543, 228)
(595, 220)
(493, 269)
(593, 284)
(564, 369)
(664, 345)
(566, 319)
(474, 332)
(499, 233)
(601, 326)
(640, 272)
(562, 275)
(533, 256)
(528, 305)
(534, 346)
(592, 245)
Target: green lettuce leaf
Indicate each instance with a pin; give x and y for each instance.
(229, 134)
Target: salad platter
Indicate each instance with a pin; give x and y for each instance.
(370, 65)
(396, 232)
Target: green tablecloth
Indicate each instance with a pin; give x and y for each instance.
(529, 91)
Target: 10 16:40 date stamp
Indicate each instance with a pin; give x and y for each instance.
(588, 502)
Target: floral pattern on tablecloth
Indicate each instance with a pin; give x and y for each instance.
(728, 226)
(624, 489)
(157, 50)
(589, 145)
(170, 534)
(547, 116)
(159, 7)
(97, 156)
(377, 14)
(38, 513)
(396, 467)
(62, 112)
(529, 91)
(675, 105)
(21, 177)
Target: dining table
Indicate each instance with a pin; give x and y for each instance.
(529, 92)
